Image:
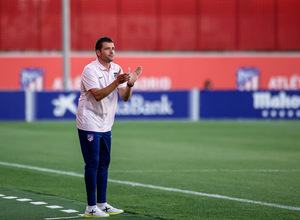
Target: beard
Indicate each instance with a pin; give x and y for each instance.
(109, 58)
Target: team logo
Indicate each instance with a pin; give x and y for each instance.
(90, 137)
(247, 79)
(115, 75)
(32, 79)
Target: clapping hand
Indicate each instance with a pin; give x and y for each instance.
(134, 75)
(121, 78)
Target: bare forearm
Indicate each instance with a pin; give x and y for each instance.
(100, 94)
(125, 93)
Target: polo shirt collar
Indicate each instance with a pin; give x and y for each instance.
(101, 66)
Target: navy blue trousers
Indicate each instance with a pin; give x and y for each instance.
(95, 148)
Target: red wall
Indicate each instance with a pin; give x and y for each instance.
(153, 25)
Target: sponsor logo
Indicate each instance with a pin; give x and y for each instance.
(139, 106)
(284, 82)
(64, 103)
(163, 83)
(281, 105)
(247, 78)
(153, 83)
(74, 83)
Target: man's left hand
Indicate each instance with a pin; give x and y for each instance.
(134, 75)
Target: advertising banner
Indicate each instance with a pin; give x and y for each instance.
(178, 105)
(12, 106)
(142, 105)
(161, 71)
(56, 105)
(250, 105)
(155, 105)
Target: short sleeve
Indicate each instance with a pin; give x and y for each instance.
(89, 79)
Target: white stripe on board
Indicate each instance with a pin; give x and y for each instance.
(155, 187)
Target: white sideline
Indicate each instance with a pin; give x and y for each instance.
(155, 187)
(209, 171)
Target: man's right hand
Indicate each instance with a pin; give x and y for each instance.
(121, 78)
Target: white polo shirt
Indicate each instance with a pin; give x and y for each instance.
(95, 115)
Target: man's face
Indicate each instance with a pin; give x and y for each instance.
(107, 53)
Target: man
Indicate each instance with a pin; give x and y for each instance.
(101, 81)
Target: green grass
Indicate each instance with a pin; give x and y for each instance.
(254, 160)
(26, 210)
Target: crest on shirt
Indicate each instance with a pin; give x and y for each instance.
(115, 75)
(90, 137)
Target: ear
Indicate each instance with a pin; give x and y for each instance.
(98, 52)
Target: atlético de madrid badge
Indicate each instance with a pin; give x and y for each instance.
(90, 137)
(116, 75)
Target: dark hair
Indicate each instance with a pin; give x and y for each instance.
(100, 41)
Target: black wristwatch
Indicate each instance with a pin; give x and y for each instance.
(130, 85)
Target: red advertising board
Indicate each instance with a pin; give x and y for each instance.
(161, 71)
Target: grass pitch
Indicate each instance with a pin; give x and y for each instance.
(248, 160)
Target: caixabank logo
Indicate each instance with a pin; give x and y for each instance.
(280, 105)
(155, 105)
(139, 106)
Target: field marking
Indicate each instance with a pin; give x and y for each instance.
(209, 170)
(77, 216)
(39, 203)
(156, 187)
(24, 200)
(54, 207)
(9, 197)
(69, 210)
(44, 203)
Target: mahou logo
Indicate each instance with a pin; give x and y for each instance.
(280, 105)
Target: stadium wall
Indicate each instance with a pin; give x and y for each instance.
(191, 105)
(153, 25)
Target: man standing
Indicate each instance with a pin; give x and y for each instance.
(101, 81)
